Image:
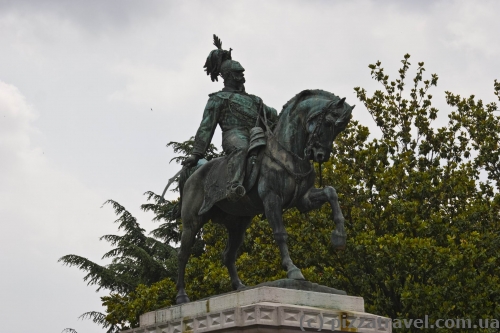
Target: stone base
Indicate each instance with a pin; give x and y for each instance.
(266, 309)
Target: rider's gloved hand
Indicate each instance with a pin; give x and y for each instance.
(191, 161)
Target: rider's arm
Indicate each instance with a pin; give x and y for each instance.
(207, 127)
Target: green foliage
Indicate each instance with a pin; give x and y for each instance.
(423, 225)
(141, 275)
(184, 149)
(137, 261)
(124, 309)
(482, 131)
(422, 209)
(164, 210)
(100, 319)
(136, 258)
(68, 330)
(170, 230)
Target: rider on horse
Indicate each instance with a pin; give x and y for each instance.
(236, 112)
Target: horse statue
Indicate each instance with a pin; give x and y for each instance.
(283, 178)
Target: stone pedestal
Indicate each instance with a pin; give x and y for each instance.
(266, 309)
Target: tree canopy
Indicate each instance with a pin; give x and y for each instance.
(422, 209)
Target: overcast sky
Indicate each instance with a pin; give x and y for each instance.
(78, 80)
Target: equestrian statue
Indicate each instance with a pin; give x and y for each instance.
(267, 165)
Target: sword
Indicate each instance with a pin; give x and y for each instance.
(170, 181)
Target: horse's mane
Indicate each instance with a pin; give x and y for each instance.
(304, 95)
(290, 106)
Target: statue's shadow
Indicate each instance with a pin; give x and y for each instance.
(303, 285)
(292, 284)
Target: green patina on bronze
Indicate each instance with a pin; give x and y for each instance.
(276, 174)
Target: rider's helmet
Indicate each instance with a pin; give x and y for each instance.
(219, 62)
(230, 66)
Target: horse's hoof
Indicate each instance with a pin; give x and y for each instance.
(181, 299)
(295, 274)
(240, 286)
(338, 240)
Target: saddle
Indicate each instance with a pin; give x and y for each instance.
(216, 181)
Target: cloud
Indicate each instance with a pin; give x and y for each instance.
(44, 213)
(15, 118)
(474, 28)
(76, 126)
(94, 16)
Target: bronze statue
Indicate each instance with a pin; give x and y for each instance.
(276, 156)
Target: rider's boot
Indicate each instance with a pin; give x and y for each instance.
(235, 189)
(235, 143)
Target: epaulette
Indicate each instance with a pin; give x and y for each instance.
(256, 98)
(221, 94)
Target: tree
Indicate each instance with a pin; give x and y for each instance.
(143, 270)
(422, 209)
(424, 225)
(137, 260)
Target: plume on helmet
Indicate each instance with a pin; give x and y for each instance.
(215, 59)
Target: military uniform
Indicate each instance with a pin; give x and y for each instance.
(236, 113)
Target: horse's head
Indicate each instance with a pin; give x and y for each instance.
(325, 120)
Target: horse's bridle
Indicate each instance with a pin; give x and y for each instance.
(313, 140)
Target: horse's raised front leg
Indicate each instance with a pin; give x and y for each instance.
(314, 199)
(272, 206)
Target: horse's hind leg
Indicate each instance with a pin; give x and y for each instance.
(191, 224)
(236, 227)
(189, 231)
